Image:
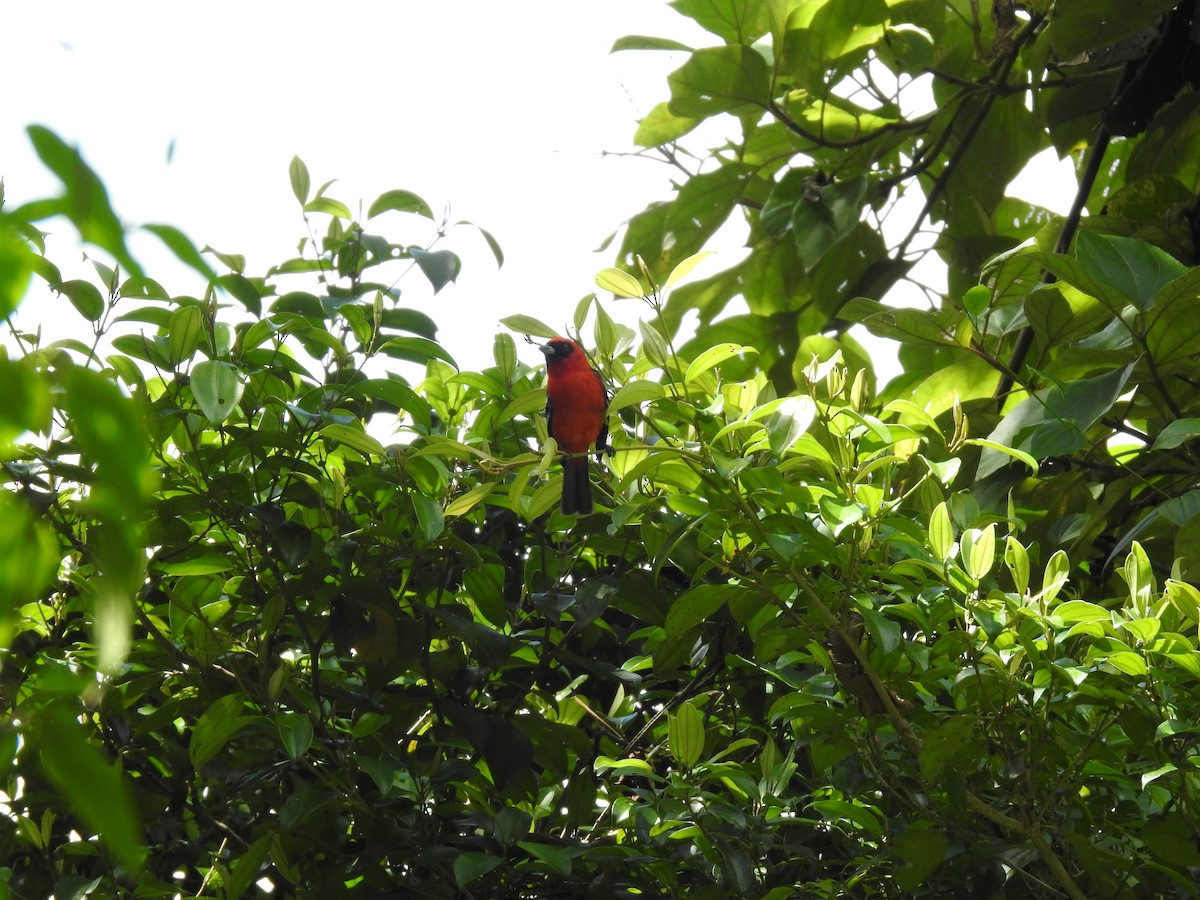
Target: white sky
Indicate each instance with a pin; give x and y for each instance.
(502, 110)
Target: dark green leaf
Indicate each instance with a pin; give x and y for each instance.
(922, 846)
(697, 604)
(1079, 25)
(85, 297)
(1136, 269)
(243, 290)
(441, 267)
(416, 349)
(91, 784)
(1053, 421)
(295, 732)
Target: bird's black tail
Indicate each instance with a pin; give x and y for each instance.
(577, 487)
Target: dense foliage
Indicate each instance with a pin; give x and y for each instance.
(288, 603)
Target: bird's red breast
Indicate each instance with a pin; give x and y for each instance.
(575, 396)
(575, 404)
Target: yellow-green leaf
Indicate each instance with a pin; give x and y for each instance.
(685, 735)
(712, 357)
(941, 533)
(354, 439)
(620, 283)
(217, 387)
(464, 503)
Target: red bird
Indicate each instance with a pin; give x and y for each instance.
(575, 403)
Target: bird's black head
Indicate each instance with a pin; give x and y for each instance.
(557, 348)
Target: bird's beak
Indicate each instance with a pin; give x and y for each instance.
(547, 350)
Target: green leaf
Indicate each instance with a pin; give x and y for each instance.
(400, 201)
(1178, 432)
(205, 564)
(1060, 313)
(557, 858)
(661, 126)
(654, 345)
(1171, 838)
(85, 201)
(1139, 576)
(528, 325)
(430, 517)
(111, 433)
(184, 332)
(247, 869)
(1081, 611)
(635, 393)
(17, 264)
(718, 79)
(217, 387)
(1003, 450)
(946, 747)
(295, 733)
(941, 533)
(1073, 272)
(464, 503)
(684, 268)
(883, 630)
(1135, 268)
(1054, 420)
(839, 514)
(851, 816)
(823, 217)
(185, 251)
(734, 21)
(1173, 324)
(1127, 661)
(642, 42)
(441, 267)
(824, 35)
(685, 735)
(702, 205)
(25, 575)
(85, 297)
(922, 846)
(620, 283)
(1058, 568)
(1079, 25)
(398, 394)
(471, 864)
(354, 438)
(1017, 560)
(697, 604)
(298, 175)
(979, 550)
(216, 725)
(417, 349)
(788, 423)
(329, 206)
(713, 357)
